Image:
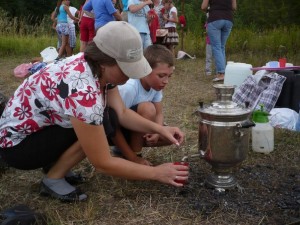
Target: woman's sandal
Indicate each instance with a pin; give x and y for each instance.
(75, 179)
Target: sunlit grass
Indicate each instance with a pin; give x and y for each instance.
(18, 37)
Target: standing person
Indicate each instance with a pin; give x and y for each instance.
(86, 28)
(62, 27)
(171, 19)
(55, 117)
(144, 96)
(208, 53)
(158, 6)
(153, 24)
(104, 11)
(138, 16)
(72, 30)
(219, 25)
(124, 13)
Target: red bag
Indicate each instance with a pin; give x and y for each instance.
(22, 70)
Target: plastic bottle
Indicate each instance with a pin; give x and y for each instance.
(262, 133)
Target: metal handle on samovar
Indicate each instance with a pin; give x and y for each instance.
(244, 124)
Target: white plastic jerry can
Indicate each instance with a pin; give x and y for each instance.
(236, 73)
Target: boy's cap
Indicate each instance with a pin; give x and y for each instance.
(121, 41)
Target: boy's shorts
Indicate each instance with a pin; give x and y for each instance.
(111, 122)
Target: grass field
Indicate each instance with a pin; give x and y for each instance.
(265, 178)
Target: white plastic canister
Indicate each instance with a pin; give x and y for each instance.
(236, 73)
(263, 138)
(262, 133)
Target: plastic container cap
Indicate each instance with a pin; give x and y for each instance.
(260, 116)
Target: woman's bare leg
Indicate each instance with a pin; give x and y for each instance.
(70, 158)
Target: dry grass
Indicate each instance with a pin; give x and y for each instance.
(118, 201)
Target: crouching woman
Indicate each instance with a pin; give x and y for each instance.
(54, 119)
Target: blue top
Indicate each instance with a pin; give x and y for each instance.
(125, 5)
(62, 15)
(103, 10)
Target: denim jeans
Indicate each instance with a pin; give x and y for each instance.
(218, 32)
(146, 40)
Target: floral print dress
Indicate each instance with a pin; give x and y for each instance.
(50, 97)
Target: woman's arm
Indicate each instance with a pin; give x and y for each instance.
(234, 5)
(204, 5)
(172, 19)
(117, 15)
(53, 15)
(70, 14)
(93, 141)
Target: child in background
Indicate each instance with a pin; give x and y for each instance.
(208, 54)
(171, 19)
(158, 8)
(144, 96)
(62, 27)
(153, 24)
(72, 30)
(139, 17)
(87, 28)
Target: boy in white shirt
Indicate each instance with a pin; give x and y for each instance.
(144, 96)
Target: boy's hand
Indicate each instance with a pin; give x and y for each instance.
(151, 139)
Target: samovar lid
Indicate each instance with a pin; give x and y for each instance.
(224, 107)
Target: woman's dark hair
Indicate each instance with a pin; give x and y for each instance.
(95, 58)
(58, 4)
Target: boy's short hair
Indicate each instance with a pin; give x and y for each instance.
(158, 54)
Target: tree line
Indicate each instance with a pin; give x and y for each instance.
(258, 14)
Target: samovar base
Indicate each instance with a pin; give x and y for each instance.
(225, 181)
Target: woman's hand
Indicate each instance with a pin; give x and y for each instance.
(173, 134)
(168, 172)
